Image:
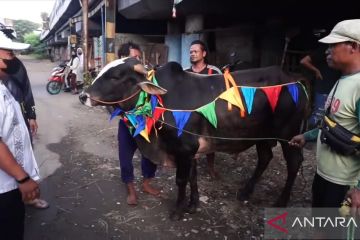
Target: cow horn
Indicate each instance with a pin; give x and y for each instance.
(140, 69)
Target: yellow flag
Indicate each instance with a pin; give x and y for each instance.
(233, 98)
(145, 135)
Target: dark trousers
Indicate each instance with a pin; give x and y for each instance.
(127, 148)
(12, 215)
(327, 194)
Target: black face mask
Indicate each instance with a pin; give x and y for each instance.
(12, 66)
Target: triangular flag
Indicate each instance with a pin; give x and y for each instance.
(142, 99)
(181, 119)
(140, 125)
(145, 135)
(132, 119)
(154, 102)
(149, 124)
(248, 93)
(209, 113)
(232, 97)
(115, 113)
(156, 115)
(272, 94)
(294, 92)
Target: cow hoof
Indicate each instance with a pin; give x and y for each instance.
(280, 204)
(192, 208)
(242, 195)
(176, 215)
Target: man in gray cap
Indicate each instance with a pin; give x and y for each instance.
(338, 172)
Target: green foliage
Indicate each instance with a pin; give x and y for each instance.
(22, 27)
(37, 47)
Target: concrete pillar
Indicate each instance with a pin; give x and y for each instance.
(110, 8)
(73, 37)
(193, 24)
(173, 41)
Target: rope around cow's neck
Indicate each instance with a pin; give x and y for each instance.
(224, 138)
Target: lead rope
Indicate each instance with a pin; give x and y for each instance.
(223, 138)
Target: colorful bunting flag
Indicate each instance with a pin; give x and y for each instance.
(294, 92)
(154, 102)
(181, 119)
(208, 111)
(272, 94)
(232, 97)
(140, 125)
(248, 93)
(142, 99)
(115, 113)
(132, 119)
(156, 115)
(144, 134)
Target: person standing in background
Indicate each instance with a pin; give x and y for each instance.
(199, 64)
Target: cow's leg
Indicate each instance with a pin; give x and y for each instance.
(265, 154)
(182, 177)
(194, 192)
(294, 158)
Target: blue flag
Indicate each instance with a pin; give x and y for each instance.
(248, 93)
(294, 92)
(181, 119)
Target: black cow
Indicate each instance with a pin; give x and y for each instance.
(120, 82)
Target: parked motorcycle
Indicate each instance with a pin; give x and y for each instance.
(60, 77)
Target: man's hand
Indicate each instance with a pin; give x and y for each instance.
(298, 141)
(33, 126)
(29, 190)
(354, 195)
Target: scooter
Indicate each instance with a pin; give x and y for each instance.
(60, 76)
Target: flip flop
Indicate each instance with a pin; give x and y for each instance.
(38, 203)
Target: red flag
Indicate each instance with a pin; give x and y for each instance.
(272, 94)
(156, 115)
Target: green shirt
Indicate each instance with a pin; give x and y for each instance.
(336, 168)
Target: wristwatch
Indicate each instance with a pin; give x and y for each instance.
(24, 180)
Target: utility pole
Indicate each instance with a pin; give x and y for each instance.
(85, 10)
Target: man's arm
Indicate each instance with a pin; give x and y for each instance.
(29, 103)
(307, 62)
(29, 188)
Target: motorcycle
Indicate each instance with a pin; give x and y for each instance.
(60, 76)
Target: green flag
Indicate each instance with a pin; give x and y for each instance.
(209, 113)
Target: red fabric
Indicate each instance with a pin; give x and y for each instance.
(156, 115)
(272, 93)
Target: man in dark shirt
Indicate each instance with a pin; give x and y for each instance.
(323, 81)
(199, 64)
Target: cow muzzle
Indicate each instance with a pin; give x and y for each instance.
(85, 99)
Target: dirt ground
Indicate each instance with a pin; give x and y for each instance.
(88, 200)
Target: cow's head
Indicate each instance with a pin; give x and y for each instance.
(119, 83)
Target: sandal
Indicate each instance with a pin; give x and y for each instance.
(38, 203)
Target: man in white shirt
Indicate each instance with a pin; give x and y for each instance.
(18, 169)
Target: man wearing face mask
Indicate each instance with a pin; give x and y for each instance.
(14, 77)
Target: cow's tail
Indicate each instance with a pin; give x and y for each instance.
(305, 87)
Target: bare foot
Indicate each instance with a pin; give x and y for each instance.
(132, 197)
(213, 174)
(149, 189)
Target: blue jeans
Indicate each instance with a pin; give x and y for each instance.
(127, 148)
(319, 109)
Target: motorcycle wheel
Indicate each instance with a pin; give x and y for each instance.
(53, 87)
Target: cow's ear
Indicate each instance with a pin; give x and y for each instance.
(151, 88)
